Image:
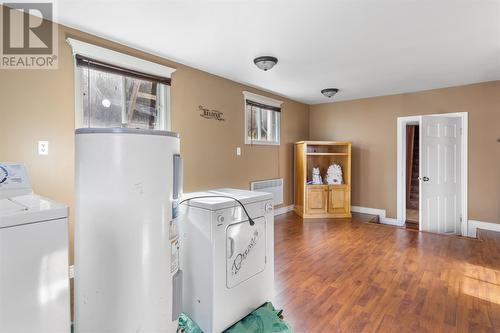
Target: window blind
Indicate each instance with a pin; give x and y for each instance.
(263, 106)
(83, 61)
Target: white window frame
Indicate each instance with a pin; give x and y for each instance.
(267, 101)
(122, 60)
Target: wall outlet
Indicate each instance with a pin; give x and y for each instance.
(238, 151)
(43, 147)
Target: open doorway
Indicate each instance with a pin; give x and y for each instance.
(432, 172)
(412, 174)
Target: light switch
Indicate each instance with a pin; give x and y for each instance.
(238, 151)
(43, 147)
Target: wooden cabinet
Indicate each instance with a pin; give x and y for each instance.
(317, 200)
(324, 200)
(339, 197)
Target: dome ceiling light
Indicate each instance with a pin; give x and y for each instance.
(265, 62)
(329, 92)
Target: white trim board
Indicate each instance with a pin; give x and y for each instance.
(473, 225)
(401, 162)
(262, 99)
(283, 210)
(381, 214)
(118, 59)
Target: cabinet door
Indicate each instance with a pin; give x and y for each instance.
(317, 199)
(338, 199)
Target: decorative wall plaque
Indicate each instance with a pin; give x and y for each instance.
(211, 114)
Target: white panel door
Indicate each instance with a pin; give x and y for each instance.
(440, 174)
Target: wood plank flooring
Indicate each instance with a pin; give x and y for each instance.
(351, 276)
(412, 219)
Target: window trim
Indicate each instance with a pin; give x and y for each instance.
(266, 101)
(118, 59)
(124, 61)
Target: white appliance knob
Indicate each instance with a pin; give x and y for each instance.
(269, 207)
(220, 218)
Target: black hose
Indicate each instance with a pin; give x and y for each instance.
(250, 220)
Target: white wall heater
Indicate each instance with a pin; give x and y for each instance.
(274, 186)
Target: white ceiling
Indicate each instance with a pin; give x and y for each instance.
(364, 47)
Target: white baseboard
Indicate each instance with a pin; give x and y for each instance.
(366, 210)
(392, 221)
(474, 225)
(380, 212)
(283, 210)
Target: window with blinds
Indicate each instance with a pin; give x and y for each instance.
(262, 120)
(112, 96)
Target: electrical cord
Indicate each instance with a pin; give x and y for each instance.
(250, 220)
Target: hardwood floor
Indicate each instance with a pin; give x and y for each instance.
(343, 276)
(412, 219)
(412, 214)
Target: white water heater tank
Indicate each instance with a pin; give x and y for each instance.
(126, 240)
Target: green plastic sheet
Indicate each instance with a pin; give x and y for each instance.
(265, 319)
(186, 325)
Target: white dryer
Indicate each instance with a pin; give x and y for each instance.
(228, 260)
(34, 282)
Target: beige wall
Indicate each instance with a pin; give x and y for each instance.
(39, 105)
(371, 124)
(209, 147)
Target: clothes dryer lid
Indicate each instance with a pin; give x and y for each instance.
(29, 208)
(216, 203)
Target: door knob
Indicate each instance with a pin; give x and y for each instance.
(425, 179)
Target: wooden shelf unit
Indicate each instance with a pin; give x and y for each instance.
(326, 154)
(326, 200)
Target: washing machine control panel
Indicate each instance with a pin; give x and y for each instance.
(13, 180)
(3, 174)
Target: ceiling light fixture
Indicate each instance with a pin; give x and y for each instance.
(329, 92)
(265, 63)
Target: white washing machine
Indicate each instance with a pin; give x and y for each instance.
(34, 281)
(228, 263)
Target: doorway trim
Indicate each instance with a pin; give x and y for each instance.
(401, 165)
